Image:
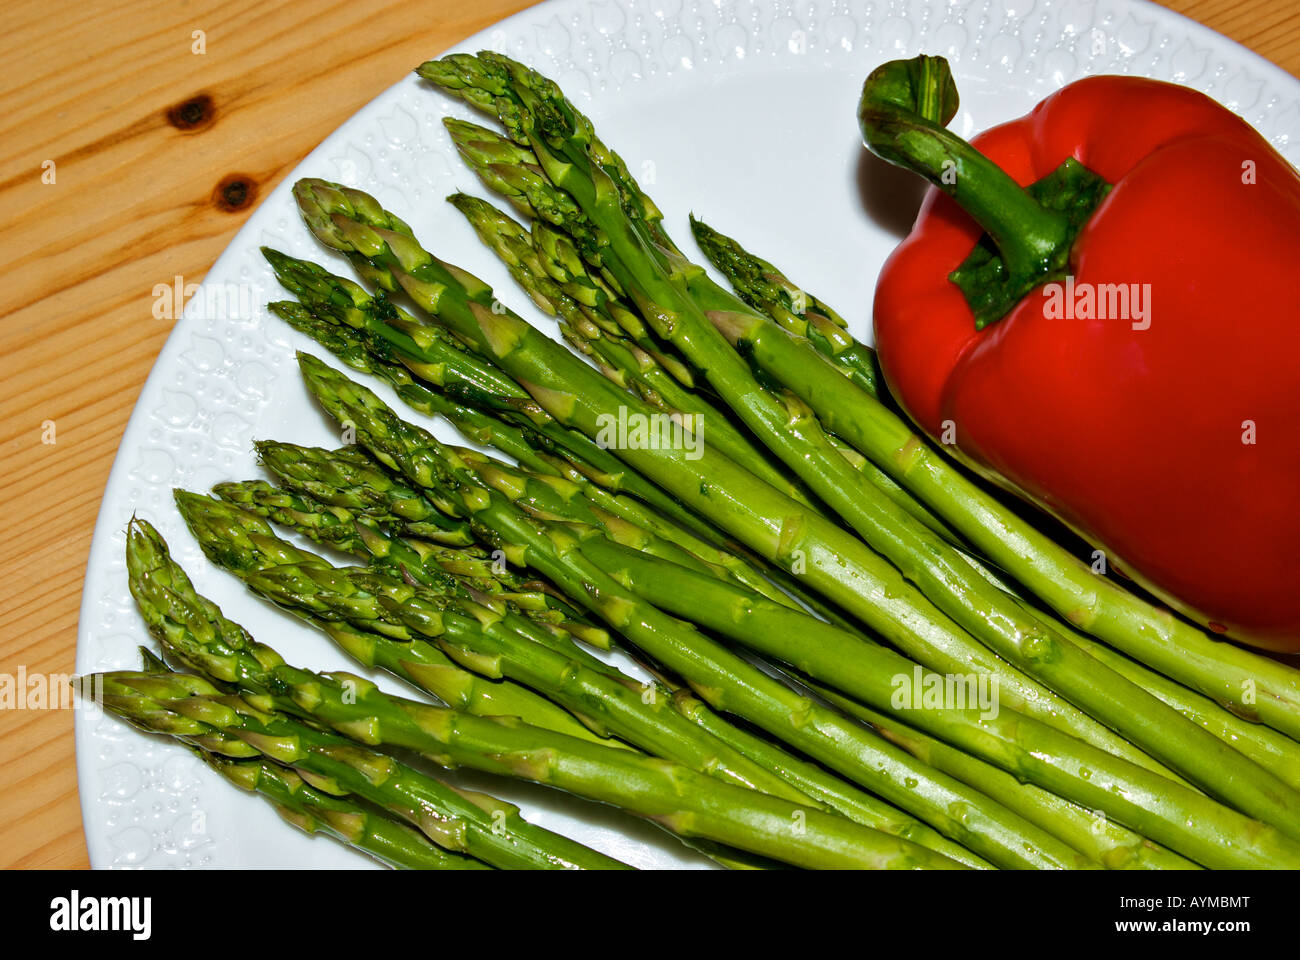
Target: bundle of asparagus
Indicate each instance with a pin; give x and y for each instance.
(784, 561)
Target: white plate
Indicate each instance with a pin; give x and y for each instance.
(741, 112)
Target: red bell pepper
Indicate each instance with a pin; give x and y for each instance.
(1165, 429)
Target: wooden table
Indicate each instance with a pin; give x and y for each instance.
(159, 156)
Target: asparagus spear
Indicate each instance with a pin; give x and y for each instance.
(511, 169)
(725, 681)
(833, 654)
(811, 785)
(495, 643)
(245, 542)
(829, 559)
(723, 855)
(363, 536)
(1249, 685)
(1272, 750)
(384, 542)
(562, 262)
(515, 166)
(674, 797)
(345, 480)
(1169, 813)
(823, 786)
(1092, 834)
(368, 538)
(623, 362)
(175, 613)
(432, 354)
(552, 498)
(342, 818)
(199, 713)
(765, 288)
(560, 138)
(347, 820)
(526, 446)
(1046, 651)
(365, 353)
(629, 366)
(1268, 748)
(678, 799)
(193, 630)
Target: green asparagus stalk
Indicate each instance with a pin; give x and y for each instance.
(194, 631)
(829, 559)
(433, 355)
(678, 799)
(512, 168)
(629, 366)
(560, 139)
(1046, 651)
(724, 680)
(550, 507)
(1092, 834)
(462, 568)
(552, 498)
(495, 643)
(1269, 748)
(592, 290)
(1272, 750)
(199, 713)
(200, 656)
(814, 780)
(246, 542)
(352, 480)
(345, 481)
(564, 145)
(1264, 745)
(342, 818)
(381, 497)
(766, 289)
(176, 614)
(1167, 812)
(725, 856)
(476, 144)
(488, 154)
(623, 362)
(363, 536)
(823, 786)
(364, 353)
(810, 782)
(1248, 684)
(526, 446)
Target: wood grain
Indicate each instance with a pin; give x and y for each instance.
(144, 133)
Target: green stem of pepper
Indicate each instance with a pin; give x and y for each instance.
(903, 111)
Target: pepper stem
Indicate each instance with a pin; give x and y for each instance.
(903, 112)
